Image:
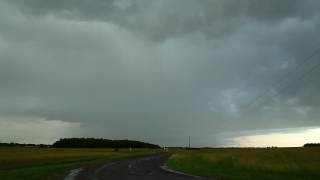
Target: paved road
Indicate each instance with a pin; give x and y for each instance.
(148, 168)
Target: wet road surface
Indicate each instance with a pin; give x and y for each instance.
(147, 168)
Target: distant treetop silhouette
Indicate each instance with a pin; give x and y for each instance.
(312, 145)
(100, 143)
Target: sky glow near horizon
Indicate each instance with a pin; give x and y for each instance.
(293, 138)
(160, 71)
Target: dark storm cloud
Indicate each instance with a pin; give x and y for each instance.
(162, 19)
(159, 70)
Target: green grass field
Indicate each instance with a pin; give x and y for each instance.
(42, 163)
(248, 164)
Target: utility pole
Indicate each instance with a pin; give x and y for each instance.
(189, 143)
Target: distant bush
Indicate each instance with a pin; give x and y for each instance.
(100, 143)
(312, 145)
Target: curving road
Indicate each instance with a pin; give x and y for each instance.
(148, 168)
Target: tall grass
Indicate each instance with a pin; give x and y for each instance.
(277, 163)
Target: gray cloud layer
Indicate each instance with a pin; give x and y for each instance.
(159, 70)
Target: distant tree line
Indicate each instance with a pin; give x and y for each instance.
(23, 145)
(312, 145)
(100, 143)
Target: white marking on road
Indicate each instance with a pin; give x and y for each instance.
(102, 167)
(166, 168)
(73, 173)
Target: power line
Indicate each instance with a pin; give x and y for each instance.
(280, 84)
(300, 78)
(285, 77)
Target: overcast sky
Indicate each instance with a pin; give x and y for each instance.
(158, 70)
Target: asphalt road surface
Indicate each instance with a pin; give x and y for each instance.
(147, 168)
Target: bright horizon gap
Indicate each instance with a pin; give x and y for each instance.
(292, 137)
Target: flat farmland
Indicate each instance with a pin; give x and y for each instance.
(249, 163)
(49, 163)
